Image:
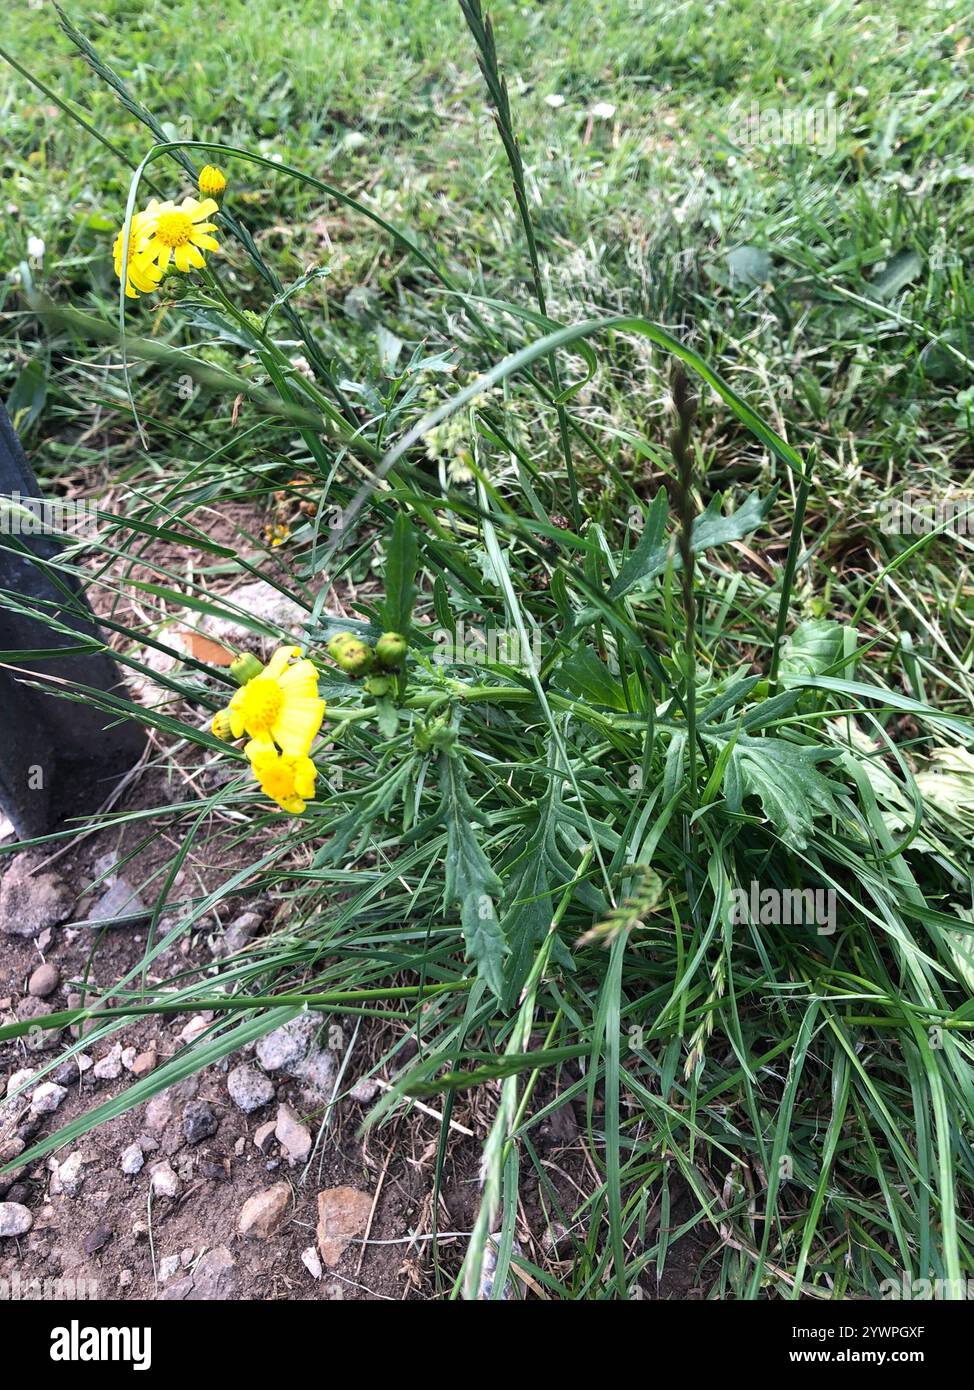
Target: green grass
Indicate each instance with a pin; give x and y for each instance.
(806, 1098)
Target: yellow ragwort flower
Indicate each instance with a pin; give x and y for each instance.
(280, 706)
(212, 181)
(181, 234)
(142, 277)
(288, 781)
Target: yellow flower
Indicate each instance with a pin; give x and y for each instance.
(288, 781)
(181, 234)
(281, 705)
(142, 276)
(212, 181)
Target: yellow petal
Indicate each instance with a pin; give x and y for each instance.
(297, 724)
(279, 661)
(300, 679)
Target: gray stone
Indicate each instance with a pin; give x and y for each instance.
(288, 1045)
(15, 1220)
(19, 1079)
(97, 1239)
(316, 1073)
(249, 1088)
(109, 1068)
(68, 1176)
(120, 900)
(213, 1278)
(47, 1098)
(132, 1160)
(163, 1181)
(238, 934)
(70, 1071)
(31, 903)
(199, 1121)
(365, 1090)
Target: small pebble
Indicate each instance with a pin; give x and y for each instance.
(163, 1180)
(249, 1088)
(109, 1068)
(19, 1078)
(47, 1098)
(199, 1121)
(70, 1071)
(67, 1177)
(98, 1238)
(44, 980)
(264, 1136)
(287, 1045)
(293, 1136)
(196, 1026)
(262, 1214)
(15, 1220)
(365, 1090)
(132, 1160)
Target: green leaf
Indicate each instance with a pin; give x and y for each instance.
(711, 528)
(400, 576)
(583, 674)
(785, 778)
(904, 267)
(540, 867)
(749, 265)
(813, 648)
(650, 543)
(27, 399)
(470, 880)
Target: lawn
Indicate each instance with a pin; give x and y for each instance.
(717, 664)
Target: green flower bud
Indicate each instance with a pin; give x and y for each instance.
(391, 649)
(339, 640)
(245, 667)
(175, 285)
(380, 686)
(351, 654)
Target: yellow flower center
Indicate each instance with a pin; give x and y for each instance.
(175, 228)
(262, 703)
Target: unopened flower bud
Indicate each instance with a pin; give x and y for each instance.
(391, 649)
(380, 686)
(220, 727)
(351, 654)
(245, 667)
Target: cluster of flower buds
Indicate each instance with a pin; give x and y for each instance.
(378, 665)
